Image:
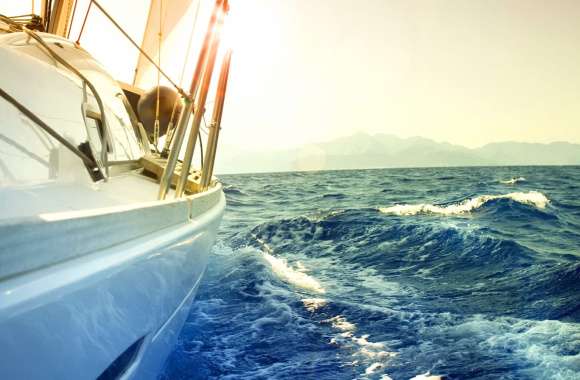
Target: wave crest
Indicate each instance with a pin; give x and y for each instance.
(534, 198)
(513, 181)
(292, 276)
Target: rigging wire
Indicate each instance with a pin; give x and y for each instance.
(72, 19)
(78, 41)
(170, 129)
(160, 44)
(187, 51)
(116, 24)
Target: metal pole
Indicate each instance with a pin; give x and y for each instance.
(198, 114)
(179, 134)
(216, 120)
(195, 82)
(176, 143)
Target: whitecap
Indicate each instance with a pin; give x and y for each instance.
(341, 323)
(427, 376)
(285, 272)
(300, 267)
(512, 181)
(550, 345)
(313, 304)
(265, 246)
(534, 198)
(363, 341)
(373, 367)
(373, 354)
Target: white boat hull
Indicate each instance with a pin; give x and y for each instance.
(101, 293)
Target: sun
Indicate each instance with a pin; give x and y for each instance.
(249, 27)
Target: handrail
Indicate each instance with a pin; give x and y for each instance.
(62, 61)
(137, 126)
(104, 139)
(28, 113)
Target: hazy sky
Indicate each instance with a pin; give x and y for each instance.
(464, 71)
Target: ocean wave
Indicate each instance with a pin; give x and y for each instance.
(232, 190)
(404, 297)
(512, 181)
(284, 271)
(313, 304)
(534, 198)
(549, 347)
(293, 276)
(427, 376)
(334, 196)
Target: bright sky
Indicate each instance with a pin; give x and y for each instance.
(466, 72)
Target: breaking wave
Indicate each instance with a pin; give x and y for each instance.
(533, 198)
(293, 276)
(311, 287)
(512, 181)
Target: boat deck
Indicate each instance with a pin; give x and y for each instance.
(32, 200)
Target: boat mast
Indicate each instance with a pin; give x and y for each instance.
(208, 50)
(200, 106)
(215, 126)
(61, 17)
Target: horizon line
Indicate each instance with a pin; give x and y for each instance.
(403, 167)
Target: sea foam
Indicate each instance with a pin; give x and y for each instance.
(313, 304)
(292, 276)
(284, 271)
(534, 198)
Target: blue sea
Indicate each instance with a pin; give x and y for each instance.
(456, 273)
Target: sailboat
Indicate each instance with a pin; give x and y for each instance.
(105, 224)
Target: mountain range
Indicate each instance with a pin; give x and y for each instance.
(363, 151)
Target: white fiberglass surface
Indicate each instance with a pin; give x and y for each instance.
(54, 196)
(55, 95)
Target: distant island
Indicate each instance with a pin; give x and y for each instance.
(363, 151)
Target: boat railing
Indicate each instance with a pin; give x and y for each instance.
(193, 103)
(102, 162)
